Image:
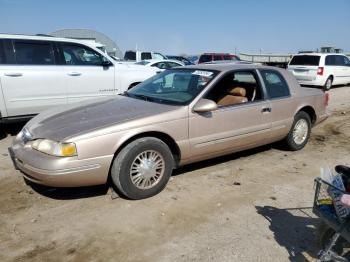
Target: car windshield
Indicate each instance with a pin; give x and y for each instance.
(144, 62)
(175, 86)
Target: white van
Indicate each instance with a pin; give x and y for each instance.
(320, 69)
(39, 72)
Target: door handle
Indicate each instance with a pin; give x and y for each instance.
(74, 73)
(13, 74)
(266, 110)
(158, 72)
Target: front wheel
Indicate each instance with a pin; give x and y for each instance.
(299, 134)
(142, 168)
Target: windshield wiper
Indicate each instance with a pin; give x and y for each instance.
(125, 93)
(151, 99)
(146, 98)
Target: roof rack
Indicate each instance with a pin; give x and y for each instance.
(44, 35)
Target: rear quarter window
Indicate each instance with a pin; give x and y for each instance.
(306, 60)
(276, 86)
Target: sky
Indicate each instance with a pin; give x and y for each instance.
(191, 27)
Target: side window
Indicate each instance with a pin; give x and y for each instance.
(217, 57)
(2, 53)
(205, 58)
(7, 53)
(172, 64)
(330, 60)
(160, 65)
(80, 55)
(130, 55)
(236, 88)
(146, 56)
(158, 56)
(340, 61)
(34, 52)
(347, 61)
(276, 85)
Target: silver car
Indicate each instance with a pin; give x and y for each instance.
(180, 116)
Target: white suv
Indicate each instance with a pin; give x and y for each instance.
(319, 69)
(39, 72)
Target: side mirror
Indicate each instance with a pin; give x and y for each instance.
(106, 63)
(205, 105)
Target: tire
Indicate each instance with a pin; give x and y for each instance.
(142, 168)
(327, 86)
(324, 234)
(295, 139)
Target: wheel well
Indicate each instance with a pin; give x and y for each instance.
(133, 84)
(168, 140)
(311, 112)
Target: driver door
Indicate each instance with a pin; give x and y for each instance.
(231, 127)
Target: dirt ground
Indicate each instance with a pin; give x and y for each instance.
(250, 206)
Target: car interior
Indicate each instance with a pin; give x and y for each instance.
(236, 88)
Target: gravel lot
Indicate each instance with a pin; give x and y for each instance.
(250, 206)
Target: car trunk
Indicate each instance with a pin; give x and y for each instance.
(304, 67)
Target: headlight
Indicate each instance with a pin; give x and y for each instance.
(19, 135)
(54, 148)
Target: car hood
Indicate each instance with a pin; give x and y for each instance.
(59, 124)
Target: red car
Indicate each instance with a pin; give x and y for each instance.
(209, 57)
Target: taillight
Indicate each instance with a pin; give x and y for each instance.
(320, 71)
(326, 99)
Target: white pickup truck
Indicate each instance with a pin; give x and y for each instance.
(39, 72)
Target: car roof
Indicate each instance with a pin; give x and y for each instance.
(228, 67)
(223, 68)
(218, 54)
(162, 60)
(42, 37)
(319, 54)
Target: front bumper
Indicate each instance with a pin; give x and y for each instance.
(59, 171)
(318, 81)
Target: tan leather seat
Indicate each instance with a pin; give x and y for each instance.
(235, 95)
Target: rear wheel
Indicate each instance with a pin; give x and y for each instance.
(142, 168)
(299, 134)
(328, 83)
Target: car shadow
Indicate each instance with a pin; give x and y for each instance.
(94, 191)
(296, 233)
(225, 158)
(69, 193)
(11, 129)
(322, 88)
